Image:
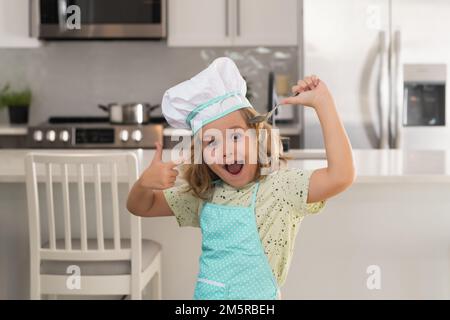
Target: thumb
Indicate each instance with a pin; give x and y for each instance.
(158, 153)
(289, 100)
(300, 98)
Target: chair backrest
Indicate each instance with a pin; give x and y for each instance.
(80, 169)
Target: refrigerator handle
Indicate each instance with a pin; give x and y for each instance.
(397, 91)
(383, 93)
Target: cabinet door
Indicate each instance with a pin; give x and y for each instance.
(199, 23)
(15, 24)
(268, 22)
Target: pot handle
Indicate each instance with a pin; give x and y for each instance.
(151, 108)
(103, 107)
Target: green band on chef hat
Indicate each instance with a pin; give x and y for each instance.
(196, 125)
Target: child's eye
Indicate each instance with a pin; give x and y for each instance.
(236, 136)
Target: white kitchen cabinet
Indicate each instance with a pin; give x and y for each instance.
(199, 23)
(15, 24)
(267, 22)
(194, 23)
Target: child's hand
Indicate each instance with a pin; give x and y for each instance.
(159, 175)
(312, 92)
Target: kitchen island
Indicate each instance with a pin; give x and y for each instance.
(395, 219)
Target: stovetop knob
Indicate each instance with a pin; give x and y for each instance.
(38, 135)
(136, 135)
(124, 135)
(64, 136)
(51, 135)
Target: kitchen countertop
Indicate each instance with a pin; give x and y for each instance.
(373, 166)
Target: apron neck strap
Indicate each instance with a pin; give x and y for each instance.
(255, 191)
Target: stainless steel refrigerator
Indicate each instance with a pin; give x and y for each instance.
(385, 62)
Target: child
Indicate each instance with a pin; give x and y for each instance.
(248, 220)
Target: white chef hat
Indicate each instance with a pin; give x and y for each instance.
(211, 94)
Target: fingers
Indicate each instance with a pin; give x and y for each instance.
(167, 177)
(170, 177)
(183, 159)
(301, 86)
(311, 81)
(171, 174)
(315, 80)
(308, 83)
(168, 171)
(177, 162)
(158, 153)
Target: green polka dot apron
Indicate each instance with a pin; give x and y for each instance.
(233, 264)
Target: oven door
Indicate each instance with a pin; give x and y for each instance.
(99, 19)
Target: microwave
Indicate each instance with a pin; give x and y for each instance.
(98, 19)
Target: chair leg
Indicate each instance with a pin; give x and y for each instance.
(35, 295)
(136, 292)
(35, 288)
(136, 295)
(34, 292)
(156, 293)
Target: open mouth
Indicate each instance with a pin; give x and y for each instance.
(234, 168)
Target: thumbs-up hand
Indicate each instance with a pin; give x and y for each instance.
(159, 175)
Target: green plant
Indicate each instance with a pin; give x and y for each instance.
(14, 98)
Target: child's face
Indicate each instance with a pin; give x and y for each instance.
(229, 151)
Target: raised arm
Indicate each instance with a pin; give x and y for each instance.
(146, 198)
(340, 172)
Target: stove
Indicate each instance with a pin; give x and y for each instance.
(92, 133)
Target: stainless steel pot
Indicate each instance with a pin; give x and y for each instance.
(129, 113)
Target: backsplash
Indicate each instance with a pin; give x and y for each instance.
(72, 78)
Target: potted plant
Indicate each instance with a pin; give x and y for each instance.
(18, 103)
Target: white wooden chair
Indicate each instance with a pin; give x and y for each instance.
(108, 266)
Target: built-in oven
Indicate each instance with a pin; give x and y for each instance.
(98, 19)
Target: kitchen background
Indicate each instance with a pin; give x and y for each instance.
(72, 78)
